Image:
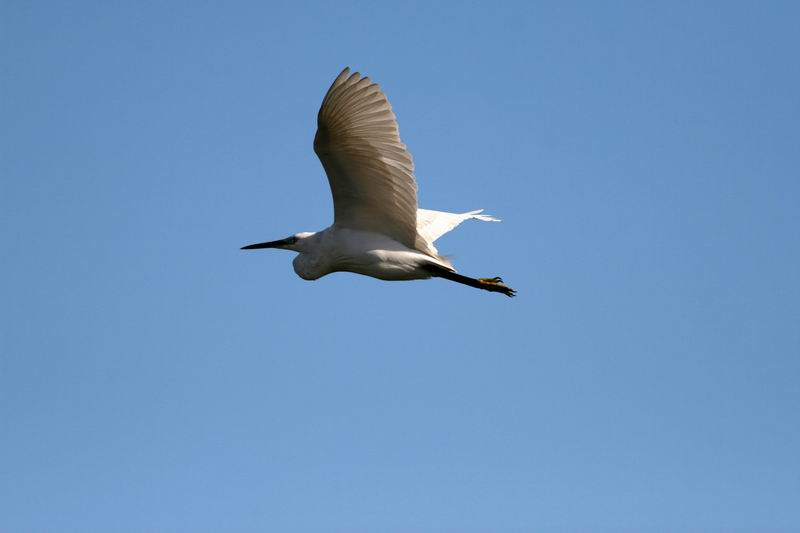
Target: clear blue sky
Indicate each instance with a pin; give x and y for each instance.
(643, 157)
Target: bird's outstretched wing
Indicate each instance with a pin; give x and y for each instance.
(371, 173)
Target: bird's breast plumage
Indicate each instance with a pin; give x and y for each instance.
(310, 266)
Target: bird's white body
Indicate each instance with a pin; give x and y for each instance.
(338, 249)
(361, 252)
(378, 230)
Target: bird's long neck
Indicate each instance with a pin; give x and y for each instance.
(312, 261)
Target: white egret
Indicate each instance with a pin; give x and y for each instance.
(378, 230)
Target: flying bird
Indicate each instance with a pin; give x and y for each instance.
(377, 230)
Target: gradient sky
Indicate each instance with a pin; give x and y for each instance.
(643, 157)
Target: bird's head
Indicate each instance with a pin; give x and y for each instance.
(297, 243)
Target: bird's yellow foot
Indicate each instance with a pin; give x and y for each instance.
(496, 285)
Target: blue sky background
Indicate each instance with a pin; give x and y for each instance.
(643, 156)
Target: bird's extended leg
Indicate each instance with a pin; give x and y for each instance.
(487, 284)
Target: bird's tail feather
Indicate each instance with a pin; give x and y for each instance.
(477, 215)
(433, 224)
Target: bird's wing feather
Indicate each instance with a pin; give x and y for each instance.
(433, 224)
(371, 173)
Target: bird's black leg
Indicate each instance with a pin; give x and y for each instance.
(487, 284)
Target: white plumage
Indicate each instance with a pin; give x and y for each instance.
(433, 224)
(377, 230)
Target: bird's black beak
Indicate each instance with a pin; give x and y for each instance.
(271, 244)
